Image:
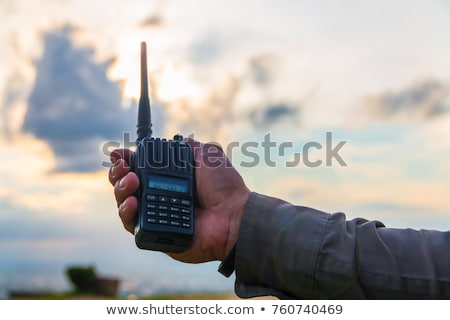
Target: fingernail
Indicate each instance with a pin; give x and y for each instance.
(113, 171)
(123, 206)
(122, 183)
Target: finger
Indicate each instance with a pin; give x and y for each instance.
(125, 187)
(127, 213)
(212, 153)
(125, 154)
(196, 146)
(200, 149)
(118, 170)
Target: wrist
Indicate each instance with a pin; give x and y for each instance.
(236, 213)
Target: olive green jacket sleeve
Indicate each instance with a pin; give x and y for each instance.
(297, 252)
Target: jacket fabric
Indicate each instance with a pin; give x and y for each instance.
(295, 252)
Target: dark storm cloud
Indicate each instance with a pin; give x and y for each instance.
(422, 101)
(73, 105)
(274, 114)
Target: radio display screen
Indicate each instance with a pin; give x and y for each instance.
(168, 183)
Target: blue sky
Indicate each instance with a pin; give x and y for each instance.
(374, 74)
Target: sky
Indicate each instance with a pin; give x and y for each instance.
(369, 80)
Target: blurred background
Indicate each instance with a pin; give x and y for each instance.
(374, 74)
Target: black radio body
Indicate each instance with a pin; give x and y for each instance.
(166, 172)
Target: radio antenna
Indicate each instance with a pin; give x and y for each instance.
(144, 124)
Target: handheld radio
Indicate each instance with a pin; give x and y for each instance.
(166, 195)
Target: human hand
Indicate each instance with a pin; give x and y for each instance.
(221, 197)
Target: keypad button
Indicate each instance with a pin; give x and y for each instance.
(175, 216)
(170, 211)
(163, 199)
(185, 202)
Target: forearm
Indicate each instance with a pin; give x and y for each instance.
(298, 252)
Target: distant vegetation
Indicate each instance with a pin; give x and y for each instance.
(88, 285)
(82, 278)
(193, 296)
(86, 281)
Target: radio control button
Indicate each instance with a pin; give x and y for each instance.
(175, 216)
(151, 197)
(163, 214)
(163, 199)
(162, 207)
(151, 220)
(152, 213)
(185, 218)
(161, 221)
(175, 209)
(186, 203)
(174, 200)
(175, 223)
(185, 211)
(178, 137)
(185, 225)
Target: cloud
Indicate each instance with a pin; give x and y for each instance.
(73, 105)
(208, 118)
(261, 72)
(35, 227)
(273, 114)
(262, 69)
(13, 94)
(421, 101)
(206, 49)
(153, 20)
(221, 108)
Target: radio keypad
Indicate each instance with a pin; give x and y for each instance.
(163, 199)
(168, 211)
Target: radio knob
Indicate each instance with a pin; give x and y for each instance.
(178, 137)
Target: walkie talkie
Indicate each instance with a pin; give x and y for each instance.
(166, 195)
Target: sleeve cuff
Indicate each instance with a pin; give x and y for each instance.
(227, 266)
(277, 248)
